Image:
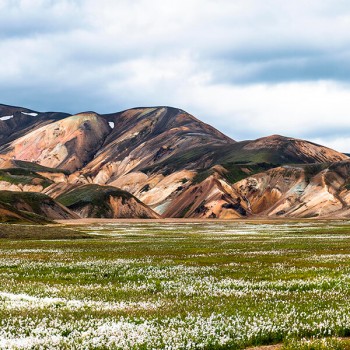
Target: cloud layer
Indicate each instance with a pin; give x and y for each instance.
(250, 68)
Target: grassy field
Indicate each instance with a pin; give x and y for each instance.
(207, 285)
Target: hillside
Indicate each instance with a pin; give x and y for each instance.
(16, 122)
(166, 161)
(32, 207)
(66, 144)
(94, 201)
(9, 214)
(305, 191)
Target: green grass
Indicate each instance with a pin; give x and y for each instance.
(235, 171)
(34, 199)
(26, 207)
(201, 176)
(19, 176)
(177, 161)
(34, 167)
(218, 285)
(318, 344)
(33, 232)
(95, 195)
(227, 154)
(9, 214)
(313, 169)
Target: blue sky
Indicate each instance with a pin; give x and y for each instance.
(251, 68)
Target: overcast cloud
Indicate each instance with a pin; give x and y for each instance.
(249, 67)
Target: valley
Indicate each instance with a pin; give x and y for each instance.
(207, 285)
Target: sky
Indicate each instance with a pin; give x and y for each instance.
(250, 68)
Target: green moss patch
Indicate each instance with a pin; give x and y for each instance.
(94, 195)
(19, 176)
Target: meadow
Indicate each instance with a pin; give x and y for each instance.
(209, 285)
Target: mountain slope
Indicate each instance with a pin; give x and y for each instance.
(159, 183)
(310, 191)
(287, 150)
(16, 122)
(146, 162)
(9, 214)
(36, 203)
(68, 144)
(104, 202)
(144, 137)
(212, 198)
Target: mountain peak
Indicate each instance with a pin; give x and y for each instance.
(295, 150)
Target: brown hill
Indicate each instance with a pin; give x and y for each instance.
(9, 214)
(146, 137)
(17, 121)
(289, 150)
(24, 203)
(67, 144)
(305, 191)
(168, 161)
(94, 201)
(160, 184)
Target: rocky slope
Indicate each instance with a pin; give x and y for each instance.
(95, 201)
(212, 198)
(17, 121)
(170, 164)
(281, 150)
(9, 214)
(67, 144)
(144, 138)
(308, 191)
(34, 203)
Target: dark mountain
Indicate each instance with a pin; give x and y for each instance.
(17, 121)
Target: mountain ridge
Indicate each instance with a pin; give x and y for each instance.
(167, 159)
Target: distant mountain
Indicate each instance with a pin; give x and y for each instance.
(315, 190)
(167, 161)
(282, 150)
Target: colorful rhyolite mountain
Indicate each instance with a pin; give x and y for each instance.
(160, 162)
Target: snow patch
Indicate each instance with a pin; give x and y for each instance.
(31, 114)
(111, 124)
(6, 117)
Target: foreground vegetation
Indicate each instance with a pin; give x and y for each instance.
(177, 286)
(35, 232)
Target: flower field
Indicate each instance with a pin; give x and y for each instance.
(212, 285)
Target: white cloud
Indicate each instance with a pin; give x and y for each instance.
(291, 108)
(250, 68)
(341, 144)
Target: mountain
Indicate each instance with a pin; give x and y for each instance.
(17, 121)
(280, 150)
(9, 214)
(317, 190)
(168, 182)
(67, 144)
(24, 204)
(211, 198)
(94, 201)
(162, 161)
(148, 137)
